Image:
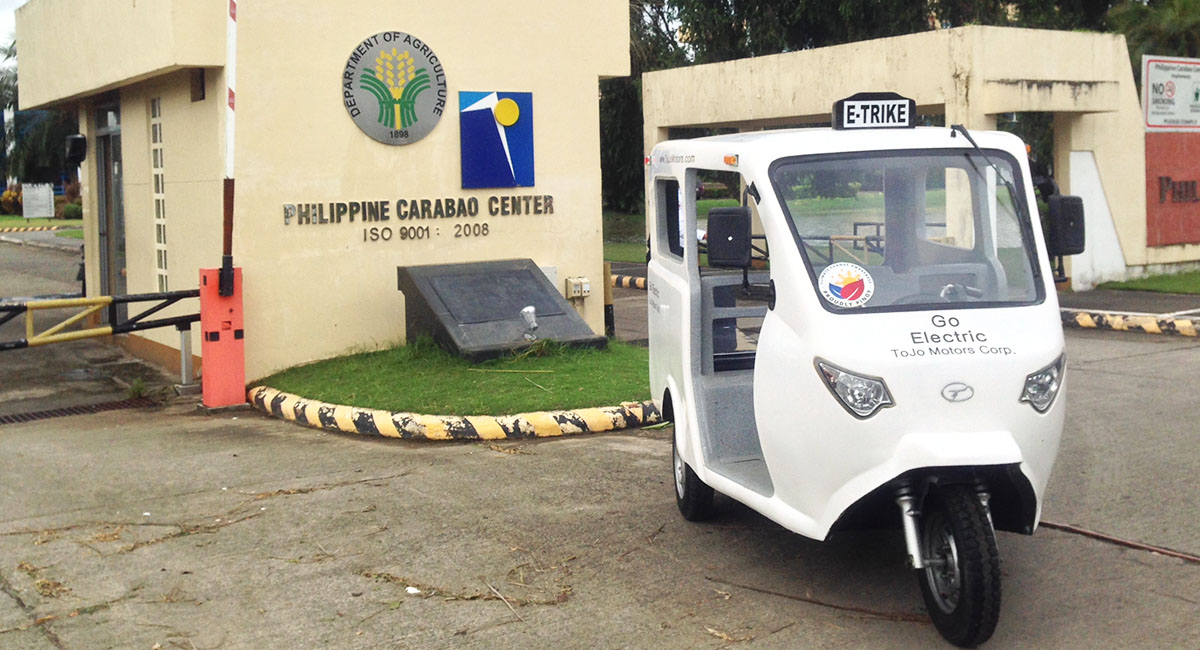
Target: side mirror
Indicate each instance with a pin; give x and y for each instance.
(729, 238)
(76, 150)
(1065, 234)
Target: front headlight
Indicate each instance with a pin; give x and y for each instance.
(1042, 386)
(861, 395)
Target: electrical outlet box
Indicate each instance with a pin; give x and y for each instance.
(578, 287)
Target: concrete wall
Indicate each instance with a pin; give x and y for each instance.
(970, 75)
(314, 291)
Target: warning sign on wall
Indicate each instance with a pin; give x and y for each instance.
(1171, 93)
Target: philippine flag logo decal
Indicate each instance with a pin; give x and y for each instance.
(846, 285)
(496, 139)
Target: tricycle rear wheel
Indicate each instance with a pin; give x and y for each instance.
(693, 496)
(961, 579)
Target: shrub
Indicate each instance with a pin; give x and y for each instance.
(72, 191)
(72, 211)
(10, 201)
(715, 190)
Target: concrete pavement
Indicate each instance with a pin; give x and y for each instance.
(133, 528)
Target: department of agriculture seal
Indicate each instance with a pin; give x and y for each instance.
(394, 87)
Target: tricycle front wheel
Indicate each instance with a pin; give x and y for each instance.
(693, 496)
(961, 579)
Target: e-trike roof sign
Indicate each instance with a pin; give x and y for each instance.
(874, 111)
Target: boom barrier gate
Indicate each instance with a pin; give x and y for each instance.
(116, 324)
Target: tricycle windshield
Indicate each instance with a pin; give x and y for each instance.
(911, 230)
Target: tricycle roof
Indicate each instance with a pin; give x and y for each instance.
(736, 150)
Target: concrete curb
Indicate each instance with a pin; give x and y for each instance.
(628, 282)
(414, 426)
(1144, 323)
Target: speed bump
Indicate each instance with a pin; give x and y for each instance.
(30, 229)
(1146, 323)
(415, 426)
(628, 282)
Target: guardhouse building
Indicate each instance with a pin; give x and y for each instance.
(365, 136)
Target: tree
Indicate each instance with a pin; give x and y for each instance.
(8, 96)
(38, 151)
(652, 46)
(1163, 27)
(666, 33)
(38, 154)
(720, 30)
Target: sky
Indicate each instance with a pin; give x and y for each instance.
(7, 20)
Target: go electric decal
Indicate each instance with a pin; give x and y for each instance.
(394, 88)
(846, 285)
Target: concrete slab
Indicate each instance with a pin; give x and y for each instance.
(1128, 464)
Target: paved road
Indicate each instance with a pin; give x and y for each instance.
(135, 528)
(44, 239)
(27, 270)
(142, 527)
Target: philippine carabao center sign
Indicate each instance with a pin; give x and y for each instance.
(394, 88)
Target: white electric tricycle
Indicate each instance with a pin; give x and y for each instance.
(897, 359)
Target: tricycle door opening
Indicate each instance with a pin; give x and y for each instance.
(733, 304)
(731, 319)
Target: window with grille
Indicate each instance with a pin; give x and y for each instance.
(158, 189)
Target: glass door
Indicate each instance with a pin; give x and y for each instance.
(111, 202)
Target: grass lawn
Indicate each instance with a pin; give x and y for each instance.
(620, 251)
(620, 227)
(76, 233)
(1188, 282)
(16, 221)
(422, 378)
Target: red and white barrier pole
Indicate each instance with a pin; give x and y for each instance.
(230, 133)
(222, 343)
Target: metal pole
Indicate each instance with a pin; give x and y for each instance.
(185, 354)
(610, 322)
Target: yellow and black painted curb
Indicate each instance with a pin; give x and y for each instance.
(414, 426)
(1146, 323)
(31, 229)
(629, 282)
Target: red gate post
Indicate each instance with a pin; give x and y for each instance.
(222, 343)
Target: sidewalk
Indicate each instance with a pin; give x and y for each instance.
(43, 239)
(1131, 302)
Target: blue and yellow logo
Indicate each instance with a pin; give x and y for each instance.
(496, 139)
